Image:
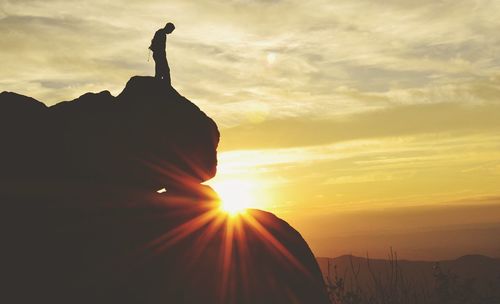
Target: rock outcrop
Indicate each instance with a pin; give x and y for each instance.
(81, 221)
(149, 136)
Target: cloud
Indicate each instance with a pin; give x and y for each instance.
(432, 118)
(441, 231)
(222, 46)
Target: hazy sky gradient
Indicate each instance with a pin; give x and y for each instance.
(366, 123)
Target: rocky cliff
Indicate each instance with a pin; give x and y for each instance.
(81, 221)
(149, 136)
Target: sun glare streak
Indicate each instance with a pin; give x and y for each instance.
(274, 243)
(222, 219)
(231, 232)
(227, 258)
(183, 231)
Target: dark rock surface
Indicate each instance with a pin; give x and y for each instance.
(81, 222)
(149, 136)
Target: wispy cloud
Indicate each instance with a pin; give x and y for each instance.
(221, 48)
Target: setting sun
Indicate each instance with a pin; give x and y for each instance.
(236, 196)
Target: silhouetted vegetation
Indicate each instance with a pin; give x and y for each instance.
(393, 286)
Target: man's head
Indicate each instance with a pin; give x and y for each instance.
(169, 28)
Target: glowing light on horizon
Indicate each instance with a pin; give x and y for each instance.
(241, 183)
(236, 195)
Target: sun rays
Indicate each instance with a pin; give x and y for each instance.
(219, 223)
(224, 228)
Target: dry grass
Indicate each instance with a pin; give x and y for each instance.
(393, 287)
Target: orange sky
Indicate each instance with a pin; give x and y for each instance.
(365, 125)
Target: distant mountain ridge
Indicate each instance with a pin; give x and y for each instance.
(464, 257)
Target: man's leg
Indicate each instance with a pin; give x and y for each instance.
(166, 75)
(162, 71)
(157, 67)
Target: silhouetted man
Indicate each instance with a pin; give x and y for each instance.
(158, 45)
